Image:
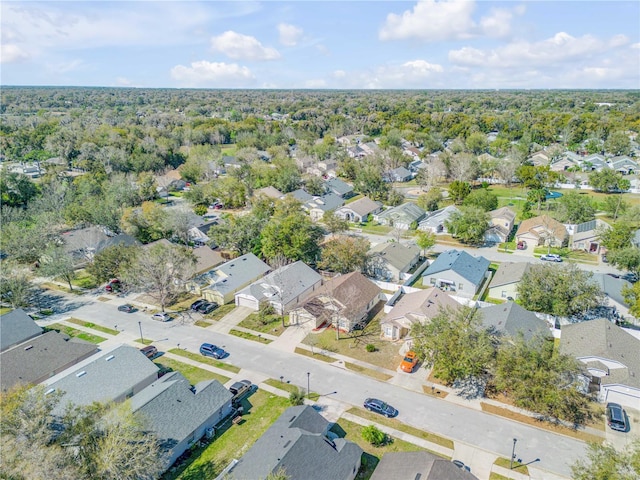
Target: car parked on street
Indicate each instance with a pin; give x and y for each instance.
(378, 406)
(460, 464)
(409, 362)
(211, 350)
(551, 257)
(127, 307)
(161, 317)
(616, 417)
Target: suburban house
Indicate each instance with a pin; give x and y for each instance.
(170, 180)
(345, 300)
(401, 217)
(180, 414)
(586, 236)
(539, 159)
(82, 244)
(283, 288)
(301, 195)
(269, 192)
(359, 210)
(501, 224)
(112, 375)
(40, 357)
(220, 284)
(420, 465)
(610, 356)
(563, 164)
(510, 319)
(298, 444)
(392, 261)
(542, 230)
(457, 272)
(612, 288)
(434, 222)
(504, 283)
(318, 206)
(623, 164)
(400, 174)
(339, 187)
(594, 162)
(199, 235)
(17, 327)
(206, 259)
(415, 307)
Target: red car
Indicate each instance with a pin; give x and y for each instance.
(114, 285)
(522, 245)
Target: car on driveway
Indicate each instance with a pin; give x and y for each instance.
(550, 257)
(207, 307)
(149, 351)
(522, 245)
(114, 285)
(409, 362)
(211, 350)
(240, 389)
(161, 317)
(461, 465)
(195, 305)
(616, 417)
(127, 307)
(378, 406)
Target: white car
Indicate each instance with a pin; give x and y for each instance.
(161, 317)
(551, 257)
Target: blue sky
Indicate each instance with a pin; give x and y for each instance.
(328, 44)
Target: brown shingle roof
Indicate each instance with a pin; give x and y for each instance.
(536, 225)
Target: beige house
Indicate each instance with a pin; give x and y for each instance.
(506, 279)
(542, 230)
(501, 221)
(586, 236)
(416, 307)
(391, 261)
(345, 300)
(359, 211)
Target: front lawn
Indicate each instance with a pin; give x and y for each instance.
(202, 359)
(260, 411)
(271, 324)
(72, 332)
(84, 279)
(193, 374)
(93, 326)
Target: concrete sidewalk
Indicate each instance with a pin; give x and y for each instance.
(231, 319)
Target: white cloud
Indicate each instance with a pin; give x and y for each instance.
(339, 74)
(635, 46)
(212, 74)
(315, 83)
(411, 74)
(289, 34)
(64, 67)
(10, 53)
(242, 47)
(618, 40)
(497, 24)
(123, 82)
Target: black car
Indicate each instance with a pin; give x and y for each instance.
(210, 350)
(195, 305)
(378, 406)
(240, 389)
(207, 307)
(616, 418)
(127, 308)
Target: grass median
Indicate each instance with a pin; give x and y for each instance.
(202, 359)
(74, 332)
(93, 326)
(192, 373)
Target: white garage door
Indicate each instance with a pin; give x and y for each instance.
(247, 302)
(624, 396)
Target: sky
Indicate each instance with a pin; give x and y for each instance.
(425, 44)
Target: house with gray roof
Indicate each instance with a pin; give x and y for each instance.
(505, 281)
(220, 284)
(283, 288)
(434, 222)
(510, 320)
(586, 236)
(180, 414)
(612, 287)
(41, 357)
(623, 164)
(359, 211)
(400, 174)
(301, 195)
(594, 162)
(318, 206)
(419, 465)
(113, 375)
(391, 262)
(402, 216)
(269, 192)
(339, 187)
(17, 327)
(457, 272)
(609, 355)
(297, 444)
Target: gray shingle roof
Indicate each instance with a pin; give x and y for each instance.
(612, 287)
(363, 206)
(468, 267)
(417, 465)
(338, 186)
(303, 454)
(510, 319)
(16, 327)
(327, 202)
(40, 357)
(301, 195)
(438, 217)
(232, 275)
(406, 213)
(509, 273)
(396, 254)
(174, 411)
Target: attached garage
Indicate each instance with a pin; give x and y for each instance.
(625, 396)
(249, 302)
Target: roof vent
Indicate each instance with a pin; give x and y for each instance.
(81, 374)
(292, 418)
(28, 347)
(110, 357)
(244, 259)
(418, 476)
(287, 444)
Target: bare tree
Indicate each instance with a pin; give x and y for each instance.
(277, 264)
(506, 169)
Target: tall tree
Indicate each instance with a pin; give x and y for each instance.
(426, 241)
(334, 223)
(344, 254)
(608, 181)
(482, 198)
(575, 208)
(112, 261)
(15, 285)
(458, 191)
(240, 234)
(57, 263)
(605, 462)
(468, 225)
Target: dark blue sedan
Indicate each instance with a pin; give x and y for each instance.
(378, 406)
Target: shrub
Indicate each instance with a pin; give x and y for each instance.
(296, 397)
(200, 209)
(371, 347)
(373, 435)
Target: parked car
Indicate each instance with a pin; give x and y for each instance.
(240, 389)
(149, 351)
(522, 245)
(161, 317)
(128, 308)
(195, 305)
(616, 417)
(378, 406)
(409, 362)
(630, 277)
(550, 257)
(604, 258)
(207, 307)
(211, 350)
(114, 285)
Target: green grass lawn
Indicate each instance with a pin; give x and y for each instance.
(202, 359)
(290, 387)
(260, 411)
(220, 312)
(383, 377)
(84, 279)
(250, 336)
(317, 355)
(191, 373)
(271, 324)
(5, 310)
(517, 466)
(93, 326)
(72, 332)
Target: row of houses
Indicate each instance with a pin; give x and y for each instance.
(588, 163)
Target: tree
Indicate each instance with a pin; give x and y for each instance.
(16, 189)
(314, 186)
(617, 237)
(558, 290)
(425, 240)
(334, 223)
(454, 344)
(161, 270)
(147, 223)
(430, 201)
(618, 143)
(477, 143)
(458, 191)
(394, 197)
(344, 254)
(483, 199)
(369, 182)
(608, 181)
(240, 234)
(110, 262)
(296, 397)
(464, 167)
(615, 205)
(631, 294)
(506, 169)
(605, 462)
(468, 225)
(373, 435)
(57, 263)
(538, 379)
(575, 208)
(626, 259)
(15, 285)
